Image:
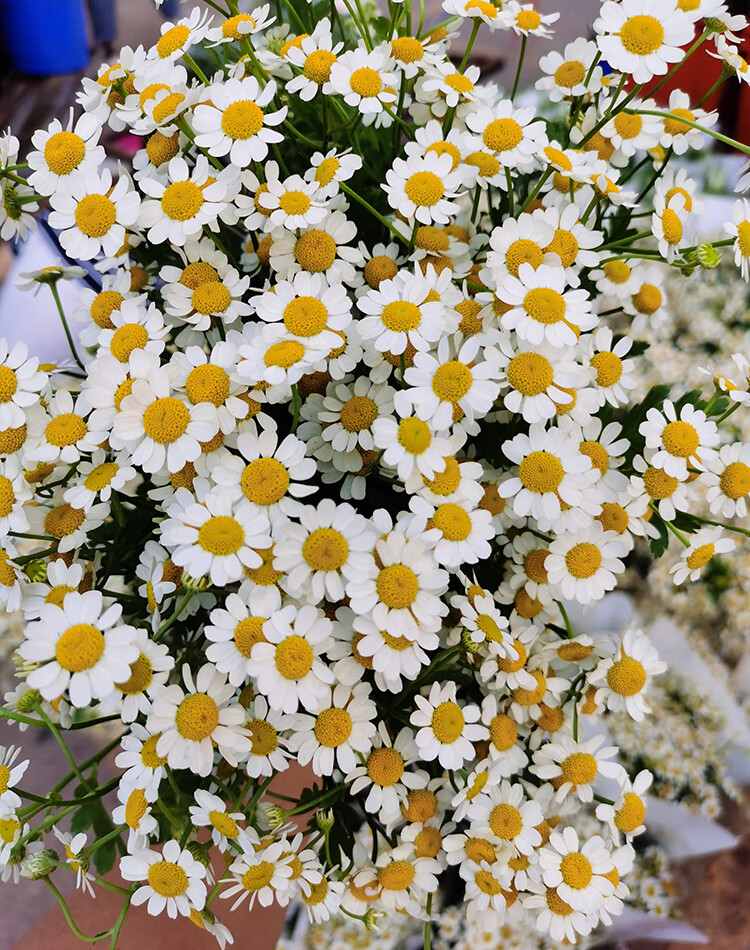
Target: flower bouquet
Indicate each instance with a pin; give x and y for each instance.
(345, 427)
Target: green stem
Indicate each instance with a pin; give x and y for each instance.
(365, 204)
(71, 923)
(519, 67)
(474, 30)
(745, 149)
(68, 335)
(196, 69)
(65, 750)
(170, 620)
(566, 620)
(296, 402)
(98, 842)
(720, 524)
(428, 911)
(728, 413)
(120, 921)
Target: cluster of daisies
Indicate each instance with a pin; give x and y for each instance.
(345, 431)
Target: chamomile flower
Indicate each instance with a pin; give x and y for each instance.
(423, 187)
(292, 203)
(575, 766)
(570, 73)
(676, 441)
(179, 209)
(391, 658)
(384, 773)
(503, 813)
(731, 58)
(236, 628)
(577, 870)
(542, 309)
(540, 378)
(703, 546)
(608, 359)
(211, 812)
(727, 476)
(627, 814)
(584, 564)
(513, 135)
(74, 845)
(79, 647)
(641, 38)
(365, 80)
(63, 155)
(20, 383)
(173, 879)
(329, 170)
(628, 673)
(446, 730)
(259, 875)
(481, 12)
(460, 533)
(10, 775)
(309, 309)
(209, 301)
(739, 229)
(410, 446)
(134, 811)
(195, 719)
(322, 250)
(403, 878)
(668, 224)
(314, 56)
(677, 134)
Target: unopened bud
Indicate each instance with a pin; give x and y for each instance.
(370, 919)
(324, 820)
(708, 256)
(28, 702)
(198, 584)
(39, 864)
(468, 644)
(199, 852)
(276, 815)
(36, 571)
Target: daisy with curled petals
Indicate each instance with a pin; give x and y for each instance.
(232, 120)
(483, 622)
(540, 378)
(641, 38)
(578, 871)
(365, 80)
(626, 674)
(668, 224)
(194, 720)
(148, 674)
(727, 476)
(573, 767)
(10, 775)
(514, 136)
(236, 627)
(542, 309)
(287, 664)
(402, 587)
(391, 657)
(446, 730)
(410, 446)
(322, 250)
(173, 880)
(400, 313)
(177, 38)
(159, 428)
(178, 210)
(20, 383)
(63, 155)
(569, 74)
(142, 767)
(404, 879)
(80, 648)
(524, 20)
(98, 478)
(551, 469)
(214, 537)
(480, 11)
(627, 813)
(450, 379)
(730, 57)
(384, 773)
(704, 545)
(503, 813)
(336, 731)
(583, 564)
(739, 229)
(676, 442)
(459, 532)
(267, 727)
(75, 857)
(314, 56)
(211, 812)
(91, 214)
(269, 474)
(318, 556)
(422, 187)
(608, 359)
(309, 309)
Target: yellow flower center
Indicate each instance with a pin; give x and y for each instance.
(211, 297)
(576, 870)
(365, 82)
(447, 481)
(503, 732)
(501, 135)
(63, 521)
(448, 722)
(124, 389)
(580, 768)
(626, 677)
(197, 273)
(641, 35)
(166, 420)
(181, 200)
(533, 565)
(597, 453)
(230, 28)
(149, 758)
(172, 40)
(265, 481)
(207, 383)
(512, 666)
(451, 381)
(167, 107)
(385, 767)
(223, 823)
(400, 316)
(700, 556)
(628, 126)
(430, 238)
(135, 808)
(315, 251)
(545, 305)
(221, 536)
(160, 148)
(65, 429)
(258, 876)
(428, 843)
(487, 165)
(671, 227)
(541, 472)
(505, 822)
(608, 368)
(263, 737)
(64, 152)
(680, 439)
(358, 414)
(4, 778)
(95, 215)
(305, 316)
(407, 49)
(530, 697)
(613, 517)
(674, 126)
(242, 120)
(453, 522)
(8, 384)
(103, 306)
(421, 805)
(396, 876)
(658, 484)
(457, 81)
(325, 172)
(424, 189)
(617, 272)
(735, 480)
(648, 299)
(479, 849)
(583, 560)
(7, 496)
(79, 648)
(397, 586)
(197, 717)
(333, 727)
(11, 440)
(570, 74)
(325, 550)
(167, 879)
(99, 477)
(414, 435)
(9, 828)
(247, 633)
(556, 904)
(131, 336)
(294, 658)
(565, 245)
(318, 66)
(141, 675)
(631, 815)
(530, 373)
(294, 202)
(284, 354)
(743, 238)
(528, 20)
(523, 251)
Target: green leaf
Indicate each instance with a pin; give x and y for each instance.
(659, 545)
(104, 857)
(82, 820)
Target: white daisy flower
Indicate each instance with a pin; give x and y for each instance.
(384, 773)
(323, 250)
(131, 326)
(578, 871)
(704, 545)
(211, 812)
(62, 155)
(666, 492)
(15, 491)
(234, 28)
(524, 20)
(460, 533)
(173, 880)
(232, 120)
(575, 766)
(314, 56)
(631, 132)
(540, 378)
(148, 674)
(268, 753)
(445, 729)
(514, 136)
(676, 134)
(236, 628)
(503, 813)
(20, 383)
(422, 187)
(583, 564)
(391, 658)
(404, 879)
(608, 358)
(292, 203)
(92, 215)
(676, 441)
(628, 673)
(364, 79)
(10, 775)
(134, 811)
(80, 648)
(203, 305)
(739, 229)
(627, 814)
(329, 170)
(728, 480)
(99, 478)
(570, 74)
(258, 875)
(506, 755)
(195, 719)
(142, 767)
(179, 209)
(74, 845)
(309, 309)
(556, 917)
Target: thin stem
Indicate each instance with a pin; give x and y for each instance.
(297, 402)
(470, 44)
(745, 149)
(519, 67)
(196, 69)
(365, 204)
(68, 335)
(71, 923)
(428, 911)
(170, 620)
(120, 921)
(721, 524)
(65, 750)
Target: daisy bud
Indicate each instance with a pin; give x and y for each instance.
(324, 820)
(468, 644)
(29, 700)
(36, 571)
(198, 584)
(276, 816)
(199, 852)
(37, 865)
(708, 256)
(371, 918)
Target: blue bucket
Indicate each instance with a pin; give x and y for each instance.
(45, 37)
